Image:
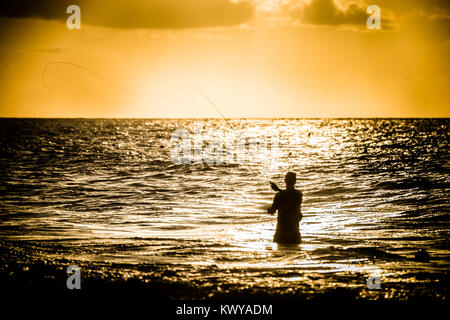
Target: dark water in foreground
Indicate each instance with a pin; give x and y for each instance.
(375, 191)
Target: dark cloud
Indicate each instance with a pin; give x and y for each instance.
(158, 14)
(407, 6)
(45, 9)
(325, 12)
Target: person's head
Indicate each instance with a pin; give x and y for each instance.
(290, 179)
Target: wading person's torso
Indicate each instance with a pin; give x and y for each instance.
(288, 203)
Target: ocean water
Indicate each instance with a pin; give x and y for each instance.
(374, 192)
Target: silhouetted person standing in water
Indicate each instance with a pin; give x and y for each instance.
(288, 203)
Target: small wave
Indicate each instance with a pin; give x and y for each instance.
(412, 183)
(335, 253)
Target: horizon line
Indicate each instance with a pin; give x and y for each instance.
(220, 118)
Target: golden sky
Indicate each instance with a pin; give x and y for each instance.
(253, 58)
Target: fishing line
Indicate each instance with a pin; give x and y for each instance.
(137, 96)
(128, 92)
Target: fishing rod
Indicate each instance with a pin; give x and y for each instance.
(130, 93)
